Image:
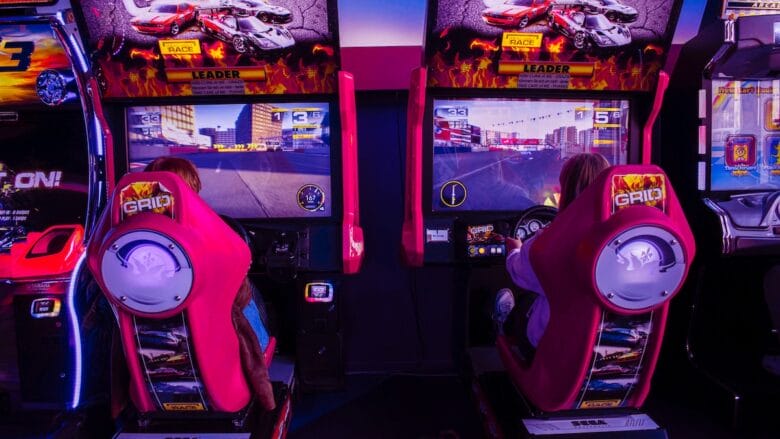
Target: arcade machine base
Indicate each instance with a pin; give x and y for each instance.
(506, 414)
(258, 425)
(745, 395)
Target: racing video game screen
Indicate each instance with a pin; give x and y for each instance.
(506, 154)
(261, 160)
(745, 135)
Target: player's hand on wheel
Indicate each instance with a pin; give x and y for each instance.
(512, 244)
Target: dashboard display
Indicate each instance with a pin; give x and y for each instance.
(506, 154)
(483, 241)
(263, 160)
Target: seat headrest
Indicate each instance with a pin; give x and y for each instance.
(626, 236)
(155, 235)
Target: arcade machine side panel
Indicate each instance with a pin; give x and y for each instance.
(731, 338)
(47, 199)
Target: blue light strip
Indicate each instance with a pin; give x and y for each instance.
(76, 331)
(100, 149)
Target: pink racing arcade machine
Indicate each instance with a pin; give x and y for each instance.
(508, 94)
(258, 104)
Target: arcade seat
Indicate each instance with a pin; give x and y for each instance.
(628, 248)
(175, 273)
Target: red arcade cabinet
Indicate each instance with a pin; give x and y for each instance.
(733, 336)
(253, 97)
(51, 188)
(508, 94)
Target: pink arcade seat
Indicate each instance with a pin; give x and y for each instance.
(173, 269)
(626, 248)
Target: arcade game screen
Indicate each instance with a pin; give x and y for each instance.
(263, 160)
(745, 135)
(504, 155)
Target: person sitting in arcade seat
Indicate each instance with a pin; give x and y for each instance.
(248, 311)
(525, 317)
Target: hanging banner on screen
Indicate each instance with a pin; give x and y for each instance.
(212, 47)
(549, 44)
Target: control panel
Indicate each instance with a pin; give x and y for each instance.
(481, 238)
(750, 223)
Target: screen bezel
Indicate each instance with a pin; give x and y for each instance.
(633, 146)
(118, 114)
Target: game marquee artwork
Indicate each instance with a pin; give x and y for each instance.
(149, 48)
(548, 44)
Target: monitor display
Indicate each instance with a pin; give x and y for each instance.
(506, 154)
(745, 135)
(262, 160)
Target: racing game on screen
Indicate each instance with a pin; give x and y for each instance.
(263, 160)
(500, 154)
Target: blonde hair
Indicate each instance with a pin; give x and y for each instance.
(179, 166)
(577, 173)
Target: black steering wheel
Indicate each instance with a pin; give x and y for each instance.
(533, 220)
(238, 228)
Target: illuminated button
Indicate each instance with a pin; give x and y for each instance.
(492, 250)
(482, 250)
(499, 250)
(472, 250)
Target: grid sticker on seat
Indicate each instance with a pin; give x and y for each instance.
(635, 189)
(145, 196)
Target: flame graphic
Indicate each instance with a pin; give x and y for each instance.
(319, 48)
(485, 45)
(217, 53)
(140, 71)
(460, 60)
(555, 47)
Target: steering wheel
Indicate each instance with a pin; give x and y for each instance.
(533, 220)
(238, 228)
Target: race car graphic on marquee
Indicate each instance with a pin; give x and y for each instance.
(549, 44)
(149, 48)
